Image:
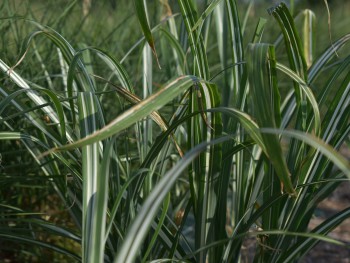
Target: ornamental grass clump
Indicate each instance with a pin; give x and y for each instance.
(196, 138)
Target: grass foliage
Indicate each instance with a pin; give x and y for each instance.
(178, 142)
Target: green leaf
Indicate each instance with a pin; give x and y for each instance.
(259, 30)
(136, 113)
(308, 93)
(141, 13)
(318, 144)
(140, 227)
(91, 233)
(265, 99)
(236, 92)
(292, 40)
(195, 39)
(302, 247)
(205, 14)
(31, 241)
(38, 100)
(159, 226)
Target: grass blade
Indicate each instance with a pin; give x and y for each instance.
(265, 97)
(143, 220)
(91, 251)
(139, 111)
(141, 13)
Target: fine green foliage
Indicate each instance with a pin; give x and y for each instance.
(234, 134)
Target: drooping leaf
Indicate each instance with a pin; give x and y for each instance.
(134, 114)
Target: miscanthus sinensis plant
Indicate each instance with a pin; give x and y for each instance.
(219, 138)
